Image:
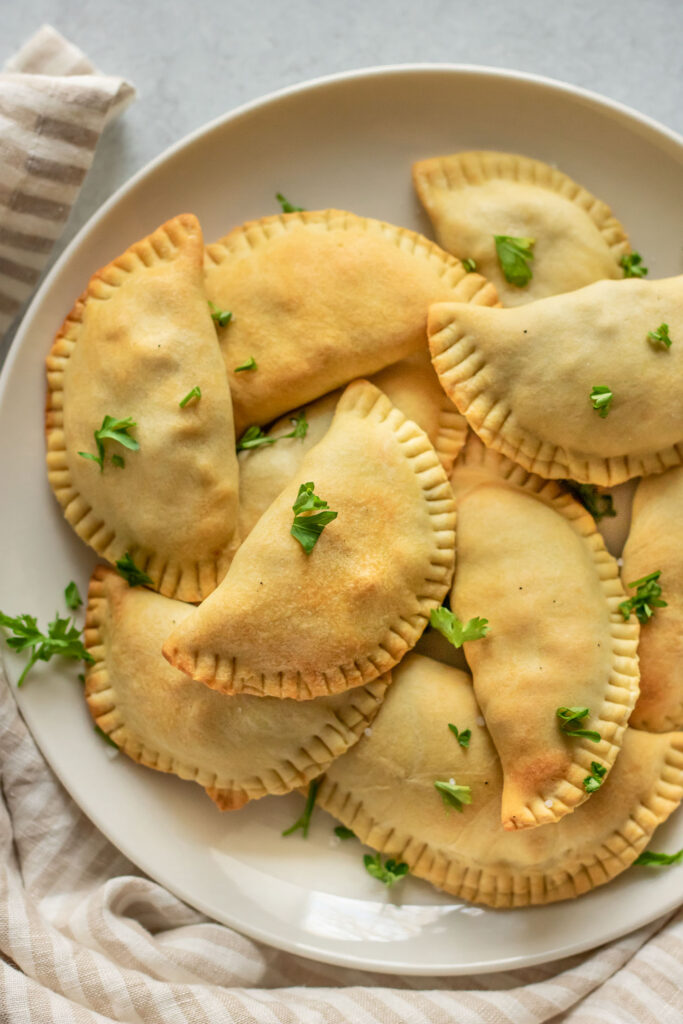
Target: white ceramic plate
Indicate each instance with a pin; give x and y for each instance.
(348, 142)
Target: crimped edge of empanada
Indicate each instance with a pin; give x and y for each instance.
(504, 888)
(451, 436)
(611, 719)
(455, 354)
(228, 794)
(226, 673)
(188, 582)
(475, 167)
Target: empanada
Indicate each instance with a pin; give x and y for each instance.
(135, 345)
(286, 623)
(237, 748)
(319, 298)
(531, 561)
(524, 378)
(655, 543)
(411, 385)
(383, 790)
(471, 197)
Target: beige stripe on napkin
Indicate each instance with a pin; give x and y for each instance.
(54, 105)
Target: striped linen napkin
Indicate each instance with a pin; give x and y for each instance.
(84, 936)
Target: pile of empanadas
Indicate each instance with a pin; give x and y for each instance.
(272, 438)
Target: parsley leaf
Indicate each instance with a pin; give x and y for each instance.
(307, 529)
(570, 716)
(632, 265)
(112, 430)
(342, 832)
(601, 397)
(470, 265)
(62, 639)
(249, 365)
(596, 502)
(660, 338)
(128, 569)
(454, 795)
(649, 857)
(71, 596)
(388, 873)
(219, 316)
(463, 737)
(304, 821)
(106, 737)
(514, 255)
(254, 437)
(646, 598)
(454, 630)
(288, 207)
(596, 777)
(196, 392)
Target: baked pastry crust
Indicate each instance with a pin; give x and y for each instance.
(383, 790)
(321, 297)
(655, 542)
(289, 624)
(237, 748)
(472, 196)
(523, 378)
(531, 560)
(139, 338)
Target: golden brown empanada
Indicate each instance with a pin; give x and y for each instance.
(655, 543)
(237, 748)
(524, 377)
(383, 790)
(531, 561)
(411, 385)
(134, 346)
(289, 624)
(319, 298)
(471, 197)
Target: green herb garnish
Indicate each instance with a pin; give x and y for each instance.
(71, 596)
(598, 504)
(128, 569)
(470, 265)
(454, 795)
(596, 777)
(463, 737)
(646, 598)
(196, 392)
(632, 265)
(254, 437)
(288, 207)
(112, 430)
(219, 316)
(62, 639)
(304, 821)
(388, 873)
(570, 716)
(342, 832)
(454, 630)
(601, 397)
(249, 365)
(660, 338)
(106, 737)
(514, 255)
(649, 857)
(118, 461)
(307, 528)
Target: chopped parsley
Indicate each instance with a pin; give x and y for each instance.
(62, 639)
(456, 632)
(596, 777)
(72, 597)
(646, 598)
(132, 575)
(388, 873)
(112, 430)
(454, 795)
(596, 502)
(342, 832)
(106, 737)
(514, 255)
(254, 437)
(649, 857)
(602, 398)
(632, 265)
(660, 338)
(307, 528)
(568, 723)
(219, 316)
(470, 265)
(250, 364)
(304, 821)
(195, 393)
(288, 207)
(463, 737)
